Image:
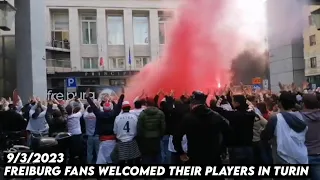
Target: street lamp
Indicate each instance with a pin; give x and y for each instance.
(7, 15)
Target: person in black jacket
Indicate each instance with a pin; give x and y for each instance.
(203, 128)
(12, 121)
(104, 126)
(241, 122)
(56, 118)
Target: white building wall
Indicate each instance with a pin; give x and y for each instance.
(75, 38)
(102, 50)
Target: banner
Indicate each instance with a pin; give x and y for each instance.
(156, 171)
(53, 165)
(96, 92)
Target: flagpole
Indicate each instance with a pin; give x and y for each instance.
(130, 58)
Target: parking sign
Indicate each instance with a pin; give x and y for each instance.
(71, 82)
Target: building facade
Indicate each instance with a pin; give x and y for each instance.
(285, 42)
(311, 38)
(99, 42)
(102, 43)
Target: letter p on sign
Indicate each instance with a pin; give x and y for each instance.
(71, 82)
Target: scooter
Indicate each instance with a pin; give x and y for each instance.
(57, 144)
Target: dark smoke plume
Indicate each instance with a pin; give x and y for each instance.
(248, 65)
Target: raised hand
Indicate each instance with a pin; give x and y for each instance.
(160, 92)
(55, 101)
(50, 102)
(282, 88)
(172, 93)
(294, 87)
(87, 93)
(305, 85)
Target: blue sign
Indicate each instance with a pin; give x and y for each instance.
(257, 87)
(71, 82)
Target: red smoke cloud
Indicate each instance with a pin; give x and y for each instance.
(196, 56)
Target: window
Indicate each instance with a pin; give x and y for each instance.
(115, 30)
(141, 61)
(60, 22)
(117, 82)
(117, 63)
(60, 30)
(163, 29)
(89, 29)
(313, 62)
(312, 40)
(141, 30)
(90, 63)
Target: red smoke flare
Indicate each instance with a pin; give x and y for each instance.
(195, 57)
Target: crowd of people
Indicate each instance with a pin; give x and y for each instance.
(237, 127)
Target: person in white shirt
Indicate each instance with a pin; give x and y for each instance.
(37, 125)
(125, 125)
(125, 129)
(74, 128)
(137, 108)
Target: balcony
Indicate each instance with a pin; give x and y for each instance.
(58, 65)
(311, 71)
(56, 45)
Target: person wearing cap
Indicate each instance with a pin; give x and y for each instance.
(104, 126)
(125, 129)
(203, 128)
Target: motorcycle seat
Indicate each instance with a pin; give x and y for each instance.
(45, 142)
(62, 135)
(20, 147)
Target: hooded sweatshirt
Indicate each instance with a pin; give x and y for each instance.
(313, 134)
(289, 130)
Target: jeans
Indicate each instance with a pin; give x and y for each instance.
(93, 143)
(165, 153)
(262, 153)
(314, 162)
(151, 159)
(266, 153)
(241, 155)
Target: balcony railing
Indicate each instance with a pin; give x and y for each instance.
(59, 45)
(58, 65)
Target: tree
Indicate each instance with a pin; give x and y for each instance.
(249, 64)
